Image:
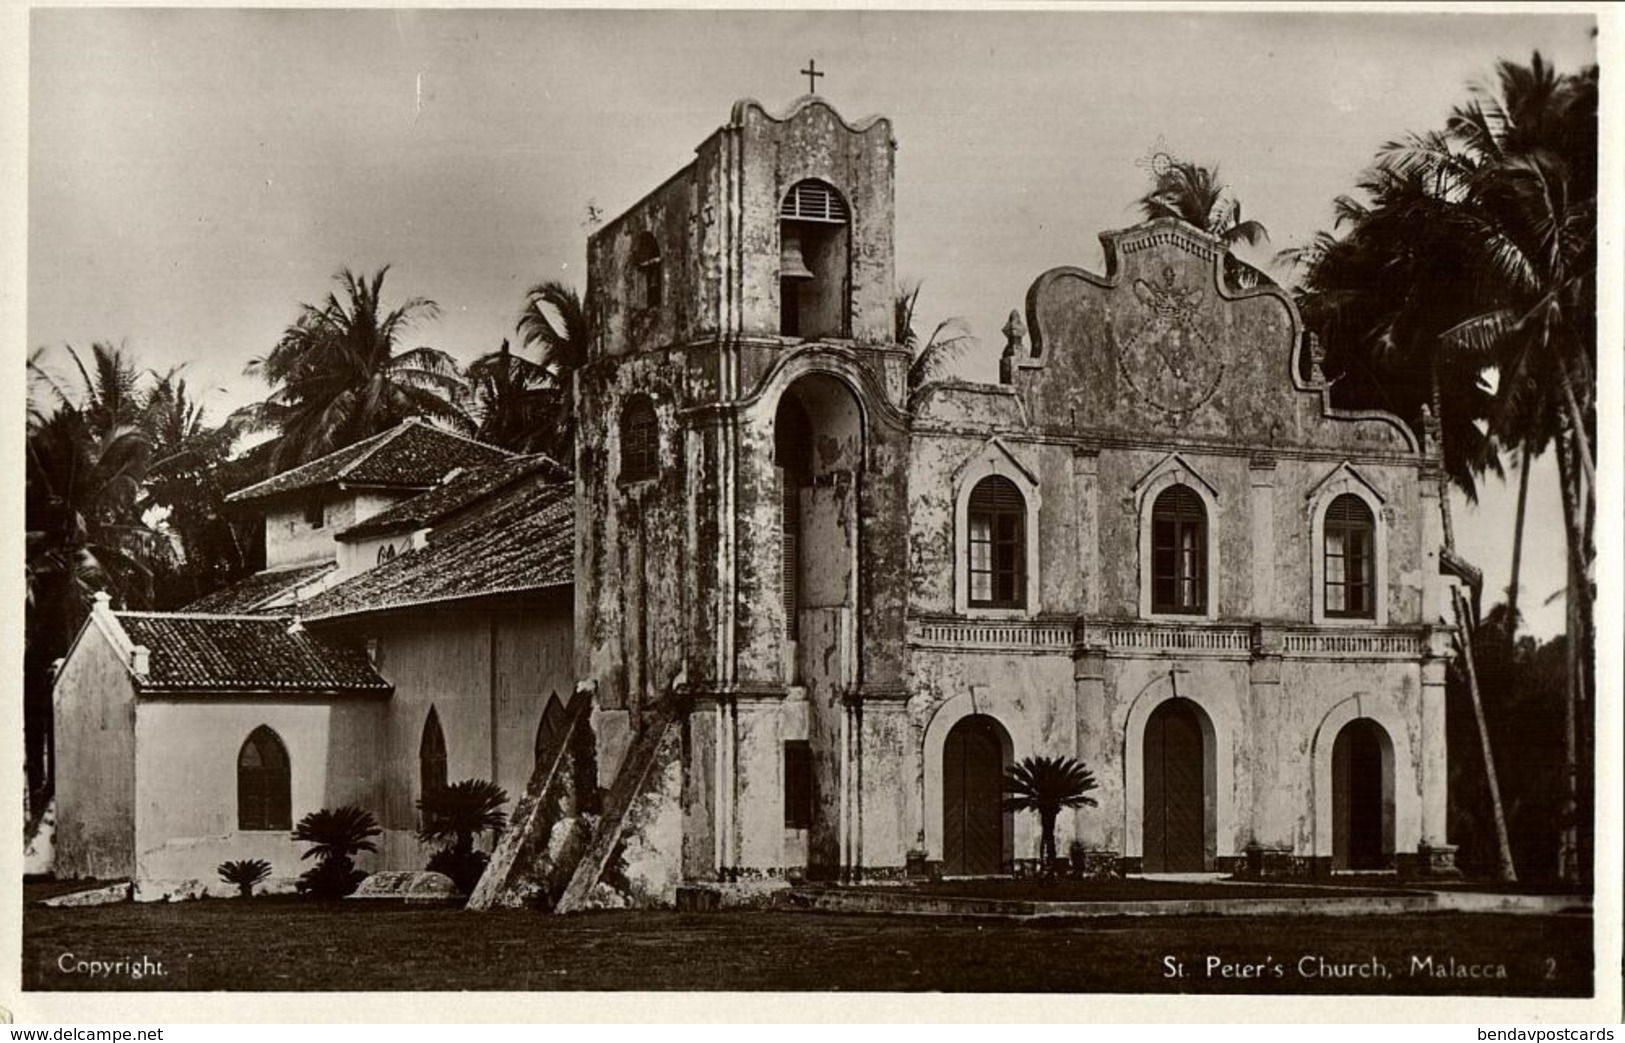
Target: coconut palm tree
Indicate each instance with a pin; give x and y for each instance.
(191, 473)
(554, 319)
(1374, 299)
(1045, 785)
(1516, 168)
(930, 358)
(1505, 199)
(338, 374)
(519, 405)
(1194, 194)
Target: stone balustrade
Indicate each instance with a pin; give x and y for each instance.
(1055, 636)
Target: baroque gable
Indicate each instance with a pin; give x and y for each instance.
(1165, 346)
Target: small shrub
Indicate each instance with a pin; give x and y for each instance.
(453, 818)
(244, 874)
(464, 867)
(330, 878)
(1045, 785)
(335, 836)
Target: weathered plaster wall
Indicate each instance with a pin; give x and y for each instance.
(186, 783)
(357, 556)
(668, 214)
(1031, 697)
(290, 540)
(488, 674)
(813, 141)
(95, 761)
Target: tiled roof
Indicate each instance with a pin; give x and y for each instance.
(412, 454)
(463, 489)
(523, 540)
(252, 593)
(203, 653)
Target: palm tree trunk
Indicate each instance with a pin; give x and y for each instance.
(1577, 420)
(1517, 549)
(1444, 476)
(1578, 598)
(1506, 871)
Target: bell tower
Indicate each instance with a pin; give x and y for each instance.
(741, 461)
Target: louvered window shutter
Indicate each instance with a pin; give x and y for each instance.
(1179, 552)
(640, 441)
(997, 569)
(1349, 562)
(814, 201)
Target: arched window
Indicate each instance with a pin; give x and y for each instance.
(646, 272)
(432, 757)
(550, 732)
(264, 783)
(814, 262)
(640, 440)
(997, 569)
(1179, 552)
(1350, 555)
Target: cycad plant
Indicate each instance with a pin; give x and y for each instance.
(453, 818)
(1046, 785)
(244, 873)
(336, 836)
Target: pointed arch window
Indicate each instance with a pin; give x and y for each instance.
(1349, 559)
(997, 569)
(640, 440)
(264, 783)
(1179, 552)
(550, 732)
(432, 757)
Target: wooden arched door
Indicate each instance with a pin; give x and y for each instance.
(972, 791)
(1175, 774)
(1359, 827)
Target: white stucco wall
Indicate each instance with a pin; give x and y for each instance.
(186, 783)
(95, 762)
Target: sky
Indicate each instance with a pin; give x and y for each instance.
(193, 175)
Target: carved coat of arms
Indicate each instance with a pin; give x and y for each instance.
(1168, 356)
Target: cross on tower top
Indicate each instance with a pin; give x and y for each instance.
(812, 74)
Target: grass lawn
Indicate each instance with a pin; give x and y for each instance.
(286, 943)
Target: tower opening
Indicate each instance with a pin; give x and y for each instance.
(815, 282)
(818, 440)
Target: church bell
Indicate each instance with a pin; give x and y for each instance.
(791, 264)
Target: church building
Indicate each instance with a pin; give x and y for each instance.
(1154, 545)
(810, 615)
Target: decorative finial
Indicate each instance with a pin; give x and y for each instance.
(812, 74)
(1430, 431)
(1015, 335)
